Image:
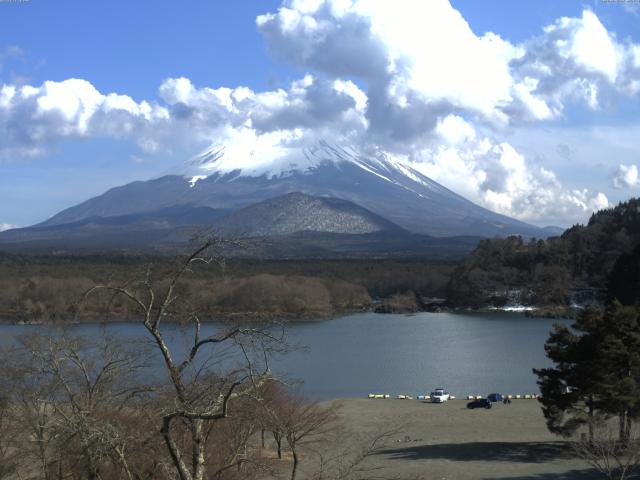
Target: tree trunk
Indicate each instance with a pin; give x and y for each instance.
(622, 424)
(590, 419)
(294, 469)
(198, 450)
(92, 467)
(43, 459)
(123, 462)
(176, 457)
(262, 437)
(278, 440)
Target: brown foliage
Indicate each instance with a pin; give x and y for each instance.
(46, 289)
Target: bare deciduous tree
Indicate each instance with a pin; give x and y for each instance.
(613, 458)
(198, 394)
(305, 423)
(292, 419)
(350, 463)
(71, 401)
(7, 451)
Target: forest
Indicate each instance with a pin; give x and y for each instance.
(48, 288)
(576, 267)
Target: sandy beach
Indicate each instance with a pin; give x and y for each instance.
(449, 441)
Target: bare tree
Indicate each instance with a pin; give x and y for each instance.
(7, 452)
(350, 463)
(270, 413)
(71, 403)
(203, 384)
(289, 416)
(613, 458)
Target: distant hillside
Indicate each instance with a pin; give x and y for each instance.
(297, 212)
(291, 226)
(555, 271)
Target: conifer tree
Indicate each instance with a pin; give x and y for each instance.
(619, 353)
(569, 390)
(596, 373)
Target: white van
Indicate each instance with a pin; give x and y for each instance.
(439, 395)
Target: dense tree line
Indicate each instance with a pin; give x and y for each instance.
(46, 288)
(546, 272)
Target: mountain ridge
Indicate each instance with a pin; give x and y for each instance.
(386, 187)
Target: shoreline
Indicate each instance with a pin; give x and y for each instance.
(249, 317)
(544, 312)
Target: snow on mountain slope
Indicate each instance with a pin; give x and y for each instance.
(253, 160)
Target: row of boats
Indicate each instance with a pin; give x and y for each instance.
(440, 395)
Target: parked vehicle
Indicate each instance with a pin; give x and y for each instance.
(439, 395)
(495, 397)
(482, 403)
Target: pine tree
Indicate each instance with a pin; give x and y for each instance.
(619, 351)
(624, 281)
(569, 391)
(596, 373)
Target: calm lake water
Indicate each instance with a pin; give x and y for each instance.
(395, 354)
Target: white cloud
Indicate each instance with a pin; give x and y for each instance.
(590, 45)
(626, 177)
(34, 118)
(455, 130)
(498, 177)
(577, 60)
(399, 51)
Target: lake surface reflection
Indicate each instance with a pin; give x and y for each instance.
(410, 354)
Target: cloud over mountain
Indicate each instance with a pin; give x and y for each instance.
(408, 79)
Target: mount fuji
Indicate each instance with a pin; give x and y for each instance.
(229, 181)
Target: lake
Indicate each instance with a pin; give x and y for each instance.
(475, 353)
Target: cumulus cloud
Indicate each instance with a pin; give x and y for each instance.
(496, 175)
(422, 61)
(34, 118)
(576, 60)
(626, 177)
(397, 50)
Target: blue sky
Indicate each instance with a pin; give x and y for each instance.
(544, 142)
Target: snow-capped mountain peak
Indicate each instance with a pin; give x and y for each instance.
(256, 158)
(277, 160)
